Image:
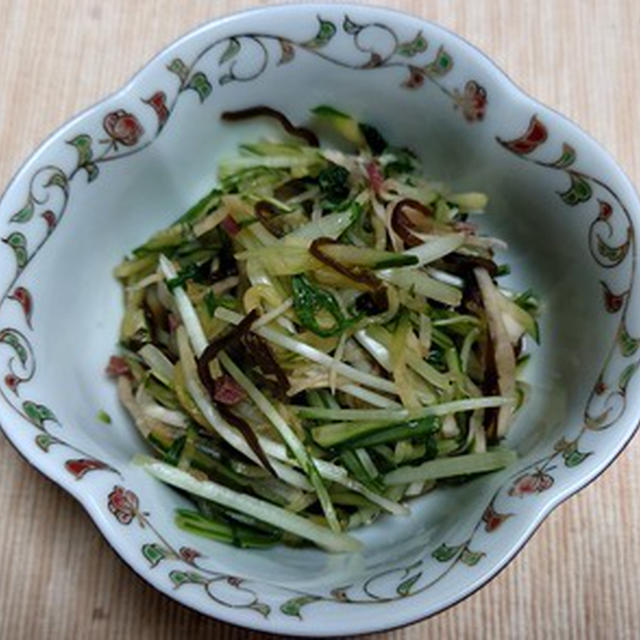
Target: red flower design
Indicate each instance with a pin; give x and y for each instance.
(81, 466)
(493, 519)
(605, 210)
(531, 139)
(50, 218)
(189, 555)
(23, 297)
(612, 301)
(123, 504)
(158, 101)
(12, 382)
(123, 127)
(415, 79)
(473, 101)
(600, 387)
(531, 483)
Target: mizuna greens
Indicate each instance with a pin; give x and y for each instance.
(318, 338)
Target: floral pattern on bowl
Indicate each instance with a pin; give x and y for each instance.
(222, 61)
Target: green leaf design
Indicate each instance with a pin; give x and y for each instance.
(45, 441)
(201, 85)
(575, 457)
(232, 50)
(579, 191)
(38, 413)
(444, 552)
(404, 588)
(615, 254)
(25, 214)
(351, 27)
(8, 336)
(82, 144)
(178, 578)
(18, 244)
(413, 47)
(261, 607)
(198, 578)
(58, 179)
(326, 31)
(628, 344)
(178, 67)
(441, 64)
(567, 158)
(155, 553)
(626, 375)
(471, 558)
(292, 607)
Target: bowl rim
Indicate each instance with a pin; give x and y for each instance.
(538, 516)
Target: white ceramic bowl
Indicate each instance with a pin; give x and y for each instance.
(132, 163)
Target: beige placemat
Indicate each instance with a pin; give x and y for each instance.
(579, 575)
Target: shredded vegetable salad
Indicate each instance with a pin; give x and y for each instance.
(319, 339)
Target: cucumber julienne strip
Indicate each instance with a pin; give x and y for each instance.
(329, 435)
(331, 225)
(158, 412)
(185, 307)
(400, 415)
(418, 281)
(450, 467)
(435, 248)
(236, 534)
(159, 364)
(259, 509)
(353, 434)
(371, 397)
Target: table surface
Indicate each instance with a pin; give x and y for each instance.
(577, 577)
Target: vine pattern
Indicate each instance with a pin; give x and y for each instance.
(607, 399)
(49, 187)
(125, 506)
(125, 135)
